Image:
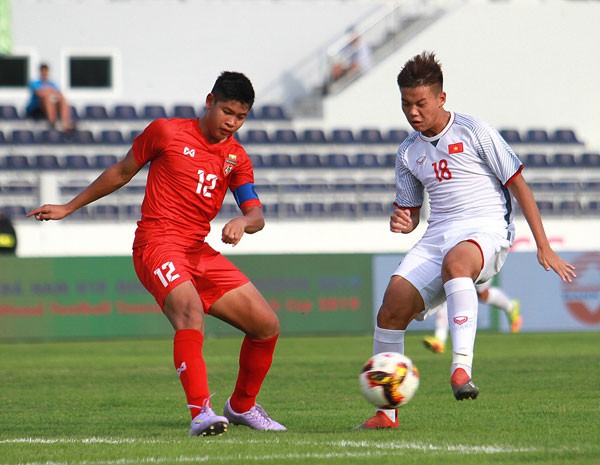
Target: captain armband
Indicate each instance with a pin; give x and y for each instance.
(244, 193)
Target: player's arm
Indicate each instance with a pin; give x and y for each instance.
(252, 219)
(109, 181)
(404, 220)
(546, 256)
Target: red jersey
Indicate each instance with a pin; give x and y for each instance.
(187, 180)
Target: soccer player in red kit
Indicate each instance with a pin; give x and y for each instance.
(192, 163)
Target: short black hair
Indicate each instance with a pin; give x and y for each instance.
(231, 85)
(44, 66)
(421, 70)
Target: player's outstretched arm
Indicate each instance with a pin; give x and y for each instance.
(109, 181)
(546, 256)
(404, 220)
(252, 221)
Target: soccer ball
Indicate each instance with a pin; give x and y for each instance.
(389, 380)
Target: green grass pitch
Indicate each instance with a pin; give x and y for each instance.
(120, 402)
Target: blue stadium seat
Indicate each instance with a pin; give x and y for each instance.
(72, 186)
(313, 136)
(309, 160)
(286, 136)
(343, 210)
(133, 134)
(389, 160)
(566, 185)
(84, 136)
(21, 187)
(17, 162)
(15, 212)
(542, 185)
(342, 185)
(257, 136)
(133, 210)
(590, 186)
(95, 112)
(342, 136)
(545, 206)
(77, 162)
(257, 160)
(537, 136)
(563, 160)
(593, 207)
(536, 160)
(74, 113)
(9, 113)
(511, 136)
(3, 138)
(373, 209)
(564, 136)
(51, 136)
(184, 111)
(589, 160)
(367, 160)
(280, 160)
(105, 212)
(336, 160)
(22, 136)
(314, 209)
(102, 161)
(377, 185)
(111, 137)
(396, 136)
(271, 112)
(153, 112)
(46, 162)
(125, 112)
(569, 207)
(264, 186)
(370, 136)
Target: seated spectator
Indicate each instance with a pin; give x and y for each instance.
(8, 236)
(47, 101)
(356, 56)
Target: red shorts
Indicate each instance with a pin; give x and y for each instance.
(163, 267)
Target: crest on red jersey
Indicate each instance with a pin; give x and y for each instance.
(230, 162)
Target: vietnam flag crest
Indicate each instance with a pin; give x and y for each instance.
(455, 148)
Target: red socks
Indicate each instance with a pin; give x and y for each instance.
(255, 360)
(190, 366)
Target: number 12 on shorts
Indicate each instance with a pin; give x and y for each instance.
(166, 273)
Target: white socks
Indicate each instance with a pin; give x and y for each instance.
(498, 298)
(388, 340)
(462, 317)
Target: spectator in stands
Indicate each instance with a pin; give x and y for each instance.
(193, 162)
(47, 101)
(356, 56)
(471, 176)
(8, 236)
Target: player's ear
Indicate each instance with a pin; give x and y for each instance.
(210, 100)
(442, 99)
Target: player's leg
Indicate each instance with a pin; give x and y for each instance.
(437, 342)
(164, 273)
(246, 309)
(401, 303)
(48, 101)
(65, 113)
(492, 295)
(461, 266)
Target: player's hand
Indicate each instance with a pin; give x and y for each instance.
(401, 221)
(233, 231)
(49, 212)
(549, 259)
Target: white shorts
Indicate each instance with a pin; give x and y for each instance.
(422, 265)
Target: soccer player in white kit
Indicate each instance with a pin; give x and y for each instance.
(469, 172)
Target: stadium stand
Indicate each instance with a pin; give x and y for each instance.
(125, 112)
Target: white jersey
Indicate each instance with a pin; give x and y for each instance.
(464, 170)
